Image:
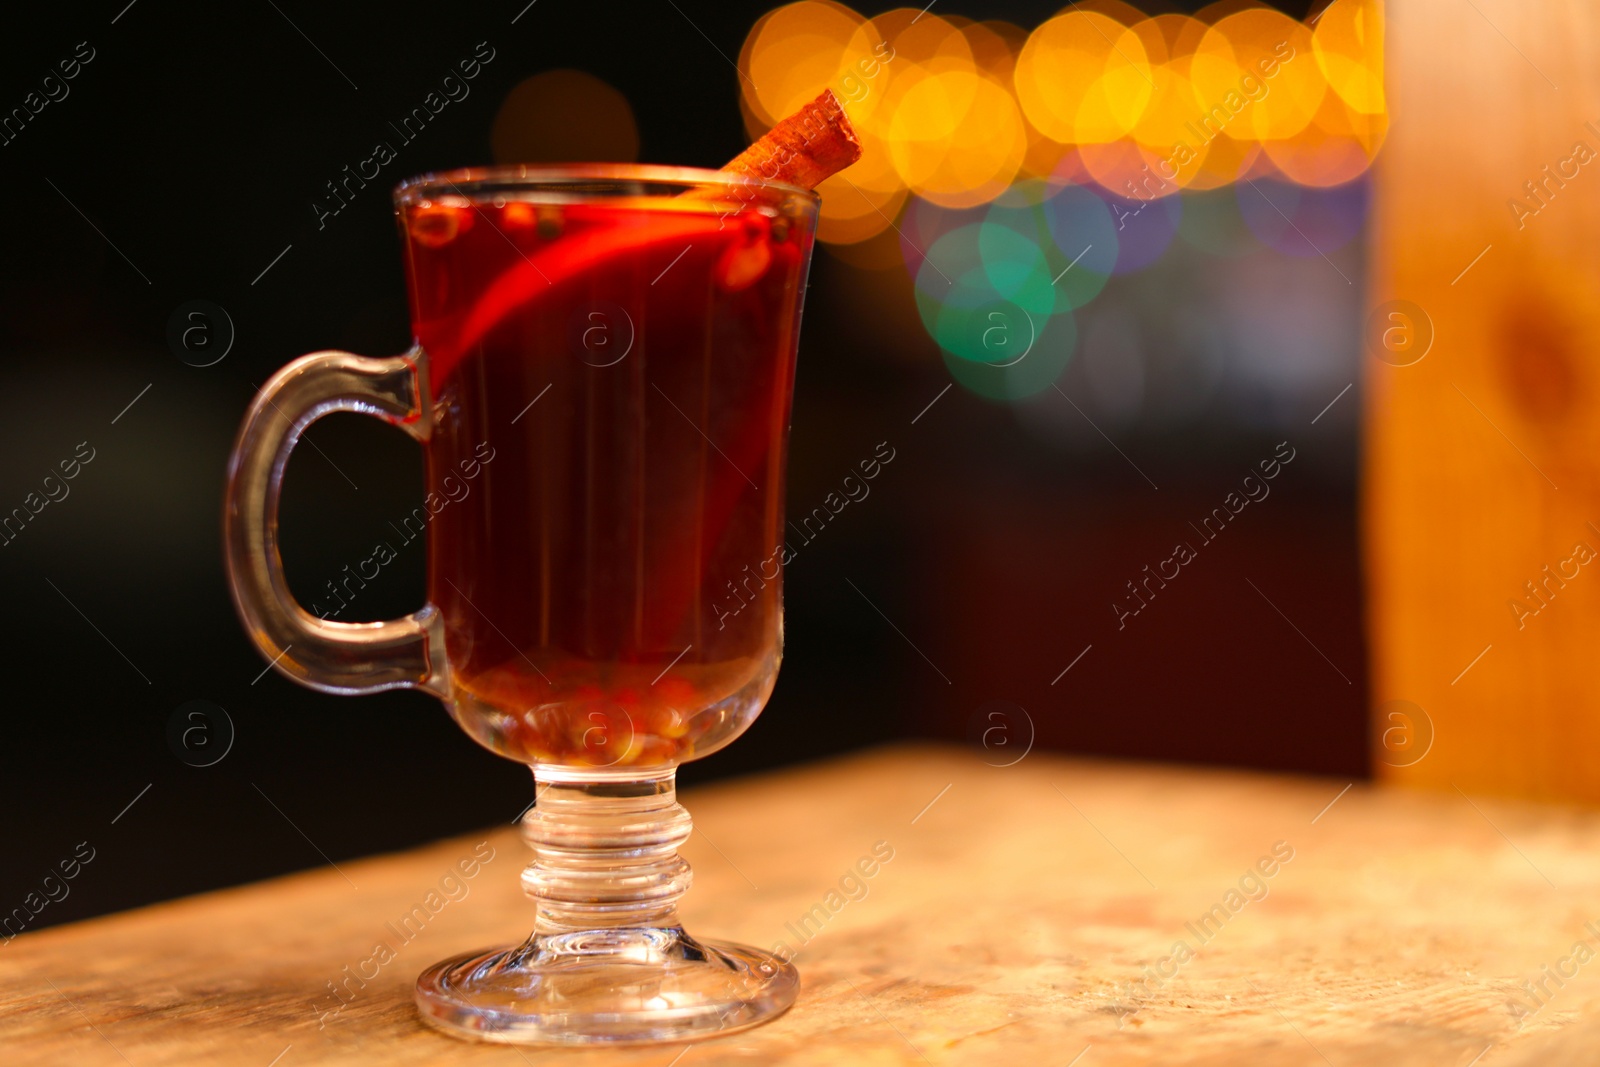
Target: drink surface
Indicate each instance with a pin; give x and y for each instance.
(611, 384)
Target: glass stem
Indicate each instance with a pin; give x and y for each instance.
(605, 850)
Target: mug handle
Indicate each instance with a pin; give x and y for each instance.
(335, 657)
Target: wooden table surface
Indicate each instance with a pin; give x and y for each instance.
(1030, 914)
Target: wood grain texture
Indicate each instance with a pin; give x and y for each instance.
(1011, 926)
(1483, 460)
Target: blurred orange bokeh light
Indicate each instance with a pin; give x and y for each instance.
(955, 111)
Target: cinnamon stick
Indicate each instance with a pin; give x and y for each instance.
(804, 148)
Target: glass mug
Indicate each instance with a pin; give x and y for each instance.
(601, 384)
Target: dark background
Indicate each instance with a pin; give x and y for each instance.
(186, 158)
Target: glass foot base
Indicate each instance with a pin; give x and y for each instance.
(606, 987)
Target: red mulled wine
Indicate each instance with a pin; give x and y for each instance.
(611, 380)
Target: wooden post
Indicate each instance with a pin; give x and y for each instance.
(1482, 486)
